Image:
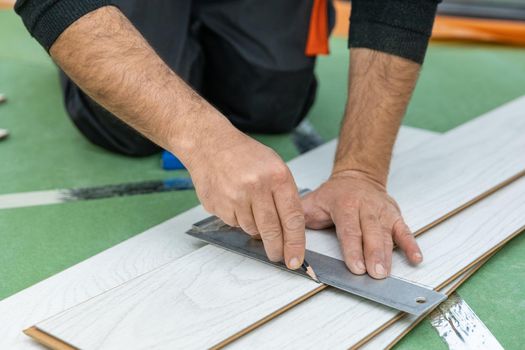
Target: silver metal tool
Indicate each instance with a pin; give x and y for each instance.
(392, 291)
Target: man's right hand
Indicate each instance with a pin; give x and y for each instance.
(247, 184)
(238, 179)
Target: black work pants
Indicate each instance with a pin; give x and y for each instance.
(246, 57)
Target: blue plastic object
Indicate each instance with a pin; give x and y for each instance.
(169, 162)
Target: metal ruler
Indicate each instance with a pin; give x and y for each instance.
(392, 291)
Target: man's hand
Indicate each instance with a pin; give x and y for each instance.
(366, 218)
(237, 178)
(247, 184)
(367, 222)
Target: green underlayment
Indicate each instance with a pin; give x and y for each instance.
(458, 82)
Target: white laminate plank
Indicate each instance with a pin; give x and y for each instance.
(133, 257)
(464, 162)
(195, 300)
(342, 320)
(364, 315)
(312, 168)
(188, 303)
(93, 276)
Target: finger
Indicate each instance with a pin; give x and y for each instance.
(291, 214)
(389, 246)
(268, 226)
(407, 242)
(228, 217)
(246, 220)
(350, 237)
(373, 243)
(315, 217)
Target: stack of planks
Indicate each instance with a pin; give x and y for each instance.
(163, 289)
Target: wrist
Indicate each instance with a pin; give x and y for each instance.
(199, 141)
(360, 172)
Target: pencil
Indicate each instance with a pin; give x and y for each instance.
(309, 271)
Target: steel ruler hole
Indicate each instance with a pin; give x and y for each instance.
(421, 300)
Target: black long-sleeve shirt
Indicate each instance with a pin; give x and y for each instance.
(398, 27)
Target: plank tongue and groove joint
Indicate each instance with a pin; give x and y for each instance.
(229, 293)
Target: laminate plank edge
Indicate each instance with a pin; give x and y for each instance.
(47, 340)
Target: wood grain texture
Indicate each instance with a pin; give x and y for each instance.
(133, 257)
(91, 277)
(192, 302)
(446, 170)
(451, 248)
(314, 167)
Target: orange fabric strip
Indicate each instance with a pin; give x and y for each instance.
(317, 41)
(488, 30)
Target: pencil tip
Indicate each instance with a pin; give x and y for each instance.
(312, 274)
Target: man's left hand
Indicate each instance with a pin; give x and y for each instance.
(367, 221)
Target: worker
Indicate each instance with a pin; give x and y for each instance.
(191, 76)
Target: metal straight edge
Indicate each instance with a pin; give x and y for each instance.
(460, 328)
(35, 198)
(392, 291)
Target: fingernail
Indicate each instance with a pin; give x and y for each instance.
(294, 263)
(360, 266)
(380, 270)
(418, 256)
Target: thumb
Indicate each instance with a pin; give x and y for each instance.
(315, 217)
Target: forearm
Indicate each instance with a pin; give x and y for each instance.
(109, 59)
(379, 89)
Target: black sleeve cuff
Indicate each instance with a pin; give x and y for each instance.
(398, 27)
(47, 19)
